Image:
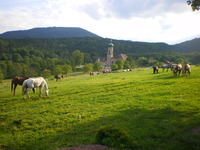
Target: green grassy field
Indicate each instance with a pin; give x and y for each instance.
(158, 111)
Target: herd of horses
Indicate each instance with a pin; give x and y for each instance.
(176, 69)
(29, 84)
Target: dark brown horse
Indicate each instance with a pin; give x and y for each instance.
(58, 77)
(18, 80)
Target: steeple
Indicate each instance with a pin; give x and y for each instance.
(110, 53)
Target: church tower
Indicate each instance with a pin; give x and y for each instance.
(110, 53)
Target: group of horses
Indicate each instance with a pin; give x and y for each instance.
(176, 69)
(28, 84)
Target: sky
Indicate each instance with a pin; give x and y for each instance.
(169, 21)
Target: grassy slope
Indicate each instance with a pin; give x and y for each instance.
(158, 111)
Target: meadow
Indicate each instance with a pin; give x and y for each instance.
(159, 111)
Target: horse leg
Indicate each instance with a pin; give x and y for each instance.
(34, 90)
(40, 91)
(179, 72)
(24, 92)
(15, 86)
(27, 92)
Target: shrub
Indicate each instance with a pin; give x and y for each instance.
(114, 137)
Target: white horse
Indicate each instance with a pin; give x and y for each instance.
(177, 69)
(31, 83)
(186, 70)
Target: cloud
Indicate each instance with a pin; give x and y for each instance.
(138, 8)
(136, 20)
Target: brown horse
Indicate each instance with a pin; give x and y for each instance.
(155, 69)
(18, 80)
(58, 77)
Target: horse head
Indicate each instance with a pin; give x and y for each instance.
(47, 92)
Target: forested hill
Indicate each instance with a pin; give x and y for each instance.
(31, 56)
(98, 45)
(49, 32)
(188, 46)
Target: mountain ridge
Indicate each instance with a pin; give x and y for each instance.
(77, 32)
(49, 32)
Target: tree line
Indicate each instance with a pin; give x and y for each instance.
(46, 57)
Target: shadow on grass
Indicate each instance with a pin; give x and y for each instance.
(151, 129)
(166, 76)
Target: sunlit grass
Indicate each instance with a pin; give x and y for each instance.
(157, 110)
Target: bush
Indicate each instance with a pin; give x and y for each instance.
(114, 137)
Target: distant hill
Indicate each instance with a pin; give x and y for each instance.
(188, 46)
(49, 32)
(90, 42)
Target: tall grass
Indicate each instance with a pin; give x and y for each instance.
(158, 111)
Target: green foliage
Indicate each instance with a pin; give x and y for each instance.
(127, 65)
(179, 61)
(132, 62)
(120, 64)
(57, 70)
(114, 137)
(1, 76)
(195, 4)
(35, 55)
(66, 69)
(142, 61)
(98, 66)
(88, 68)
(46, 73)
(78, 57)
(114, 67)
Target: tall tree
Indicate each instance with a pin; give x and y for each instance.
(66, 69)
(57, 70)
(88, 68)
(179, 61)
(98, 66)
(120, 64)
(142, 61)
(114, 67)
(78, 57)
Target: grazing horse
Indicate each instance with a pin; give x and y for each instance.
(18, 80)
(166, 66)
(177, 69)
(91, 73)
(34, 83)
(58, 77)
(155, 69)
(186, 69)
